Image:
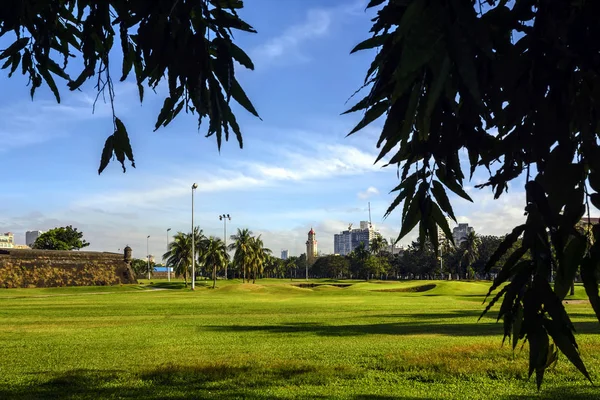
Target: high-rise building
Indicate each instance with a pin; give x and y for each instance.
(284, 254)
(461, 232)
(31, 237)
(345, 242)
(7, 241)
(311, 247)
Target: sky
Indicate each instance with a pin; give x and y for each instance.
(297, 169)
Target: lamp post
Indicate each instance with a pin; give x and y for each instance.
(168, 268)
(224, 218)
(148, 255)
(194, 187)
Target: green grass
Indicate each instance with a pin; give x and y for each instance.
(273, 340)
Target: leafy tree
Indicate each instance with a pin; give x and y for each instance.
(213, 255)
(139, 266)
(187, 43)
(377, 245)
(419, 260)
(514, 85)
(258, 256)
(488, 244)
(64, 238)
(470, 253)
(358, 261)
(179, 253)
(243, 250)
(331, 266)
(291, 265)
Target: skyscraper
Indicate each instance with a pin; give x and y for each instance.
(461, 232)
(284, 254)
(31, 237)
(346, 241)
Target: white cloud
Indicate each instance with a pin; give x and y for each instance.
(29, 123)
(370, 192)
(317, 24)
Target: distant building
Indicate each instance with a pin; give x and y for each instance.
(22, 247)
(345, 242)
(460, 233)
(31, 237)
(7, 241)
(311, 247)
(284, 254)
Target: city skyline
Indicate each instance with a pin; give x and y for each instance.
(297, 168)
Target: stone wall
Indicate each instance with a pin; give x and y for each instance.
(51, 268)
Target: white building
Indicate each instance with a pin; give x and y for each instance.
(7, 241)
(461, 232)
(31, 237)
(345, 242)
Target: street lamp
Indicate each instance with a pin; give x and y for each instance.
(194, 187)
(224, 218)
(148, 254)
(168, 268)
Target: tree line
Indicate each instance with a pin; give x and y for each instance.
(251, 260)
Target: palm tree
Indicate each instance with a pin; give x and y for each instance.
(470, 249)
(213, 253)
(241, 245)
(377, 245)
(259, 255)
(179, 255)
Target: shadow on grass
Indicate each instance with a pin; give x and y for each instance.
(392, 328)
(176, 382)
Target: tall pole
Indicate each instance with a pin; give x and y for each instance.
(194, 186)
(148, 254)
(224, 218)
(168, 268)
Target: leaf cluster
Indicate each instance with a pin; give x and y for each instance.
(515, 87)
(187, 43)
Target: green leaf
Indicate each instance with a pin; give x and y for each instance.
(240, 96)
(107, 153)
(371, 115)
(590, 283)
(50, 81)
(506, 244)
(240, 56)
(566, 344)
(440, 195)
(122, 145)
(595, 199)
(462, 56)
(452, 184)
(372, 42)
(15, 47)
(441, 221)
(435, 91)
(56, 69)
(375, 3)
(412, 217)
(517, 324)
(568, 264)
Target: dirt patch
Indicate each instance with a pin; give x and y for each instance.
(576, 301)
(314, 285)
(412, 289)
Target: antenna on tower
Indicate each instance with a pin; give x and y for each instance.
(370, 224)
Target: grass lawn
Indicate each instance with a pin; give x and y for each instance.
(273, 340)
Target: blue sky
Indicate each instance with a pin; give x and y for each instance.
(297, 168)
